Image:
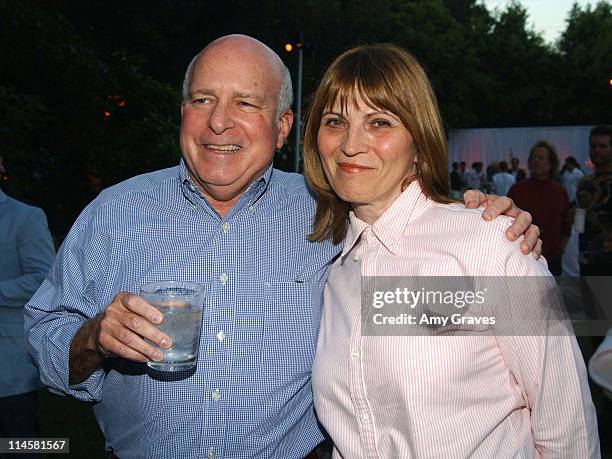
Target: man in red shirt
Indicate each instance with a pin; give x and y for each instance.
(547, 201)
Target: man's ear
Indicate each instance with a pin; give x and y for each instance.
(285, 122)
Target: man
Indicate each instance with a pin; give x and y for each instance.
(594, 194)
(570, 177)
(547, 201)
(26, 255)
(224, 219)
(503, 180)
(518, 172)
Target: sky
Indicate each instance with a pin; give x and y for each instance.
(547, 16)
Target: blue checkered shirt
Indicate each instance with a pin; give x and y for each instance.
(250, 396)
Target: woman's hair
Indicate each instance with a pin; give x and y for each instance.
(387, 78)
(553, 158)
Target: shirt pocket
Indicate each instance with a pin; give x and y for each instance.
(276, 327)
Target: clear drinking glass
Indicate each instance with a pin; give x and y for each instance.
(181, 305)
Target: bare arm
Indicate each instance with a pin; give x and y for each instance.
(120, 331)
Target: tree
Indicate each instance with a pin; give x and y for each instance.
(586, 50)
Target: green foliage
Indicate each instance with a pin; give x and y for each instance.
(586, 50)
(54, 93)
(66, 63)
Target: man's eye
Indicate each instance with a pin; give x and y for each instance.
(202, 100)
(244, 103)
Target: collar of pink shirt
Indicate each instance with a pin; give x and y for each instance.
(391, 225)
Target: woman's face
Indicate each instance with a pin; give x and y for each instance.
(366, 155)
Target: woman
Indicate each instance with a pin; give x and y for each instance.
(375, 157)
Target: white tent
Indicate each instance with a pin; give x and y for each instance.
(497, 144)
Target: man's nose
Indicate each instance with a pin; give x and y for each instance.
(354, 142)
(221, 119)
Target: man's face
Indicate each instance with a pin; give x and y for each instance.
(540, 163)
(229, 125)
(600, 151)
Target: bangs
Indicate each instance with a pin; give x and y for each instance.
(366, 76)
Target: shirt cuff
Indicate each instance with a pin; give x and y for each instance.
(57, 371)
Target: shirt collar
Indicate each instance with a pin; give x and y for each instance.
(389, 228)
(3, 197)
(254, 191)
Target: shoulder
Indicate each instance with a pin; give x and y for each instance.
(471, 218)
(586, 179)
(21, 211)
(457, 223)
(139, 184)
(519, 187)
(291, 184)
(132, 195)
(486, 240)
(557, 187)
(129, 191)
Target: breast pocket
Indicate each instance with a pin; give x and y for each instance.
(276, 327)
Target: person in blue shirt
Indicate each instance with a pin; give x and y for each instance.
(223, 218)
(26, 255)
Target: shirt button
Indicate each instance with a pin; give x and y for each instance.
(225, 227)
(355, 259)
(252, 208)
(355, 354)
(221, 336)
(211, 453)
(223, 278)
(365, 418)
(216, 395)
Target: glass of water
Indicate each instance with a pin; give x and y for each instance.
(181, 305)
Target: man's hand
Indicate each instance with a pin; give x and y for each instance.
(119, 331)
(124, 325)
(501, 205)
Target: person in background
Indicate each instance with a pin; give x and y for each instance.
(594, 194)
(503, 180)
(26, 255)
(463, 170)
(547, 201)
(518, 172)
(475, 177)
(570, 176)
(457, 185)
(375, 155)
(492, 169)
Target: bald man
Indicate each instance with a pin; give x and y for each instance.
(225, 219)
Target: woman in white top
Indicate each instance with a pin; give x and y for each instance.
(385, 385)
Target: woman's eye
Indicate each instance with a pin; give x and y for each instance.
(381, 123)
(333, 122)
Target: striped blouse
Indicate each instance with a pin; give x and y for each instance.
(440, 395)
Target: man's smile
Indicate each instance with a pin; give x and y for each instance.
(226, 147)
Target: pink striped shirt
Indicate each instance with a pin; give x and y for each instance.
(485, 395)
